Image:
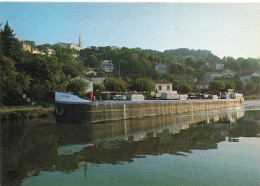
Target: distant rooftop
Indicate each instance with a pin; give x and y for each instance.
(162, 82)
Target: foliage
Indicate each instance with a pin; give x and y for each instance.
(239, 85)
(142, 84)
(98, 89)
(251, 87)
(185, 88)
(114, 84)
(230, 85)
(91, 61)
(39, 76)
(216, 85)
(77, 86)
(28, 42)
(10, 44)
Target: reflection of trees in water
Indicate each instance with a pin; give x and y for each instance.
(30, 150)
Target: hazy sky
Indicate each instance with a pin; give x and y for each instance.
(225, 29)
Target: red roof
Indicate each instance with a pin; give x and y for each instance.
(162, 82)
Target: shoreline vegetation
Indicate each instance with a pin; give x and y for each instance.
(25, 112)
(32, 78)
(251, 97)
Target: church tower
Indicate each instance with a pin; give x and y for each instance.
(80, 42)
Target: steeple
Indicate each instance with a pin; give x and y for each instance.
(80, 42)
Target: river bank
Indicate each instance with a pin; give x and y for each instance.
(25, 112)
(251, 97)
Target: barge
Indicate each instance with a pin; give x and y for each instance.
(73, 109)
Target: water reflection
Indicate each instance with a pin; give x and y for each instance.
(28, 150)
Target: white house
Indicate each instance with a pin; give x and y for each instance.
(36, 51)
(248, 77)
(203, 85)
(107, 65)
(218, 66)
(97, 79)
(228, 72)
(50, 51)
(209, 76)
(89, 83)
(92, 71)
(163, 86)
(161, 68)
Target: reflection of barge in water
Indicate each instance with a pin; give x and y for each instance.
(71, 108)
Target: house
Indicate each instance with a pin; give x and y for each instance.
(36, 51)
(27, 47)
(217, 66)
(228, 72)
(72, 45)
(163, 86)
(50, 51)
(203, 85)
(209, 76)
(161, 68)
(248, 77)
(91, 71)
(89, 83)
(97, 79)
(107, 65)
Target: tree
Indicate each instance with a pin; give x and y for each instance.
(251, 87)
(10, 44)
(10, 83)
(216, 85)
(143, 84)
(28, 42)
(190, 61)
(68, 62)
(98, 89)
(230, 85)
(185, 88)
(114, 84)
(65, 55)
(77, 86)
(91, 61)
(239, 85)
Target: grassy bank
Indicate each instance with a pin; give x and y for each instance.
(25, 112)
(252, 97)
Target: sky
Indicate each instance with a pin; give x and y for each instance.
(227, 29)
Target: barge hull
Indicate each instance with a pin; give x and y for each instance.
(117, 110)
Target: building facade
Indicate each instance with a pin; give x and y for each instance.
(248, 77)
(163, 86)
(27, 47)
(89, 82)
(161, 68)
(72, 45)
(217, 66)
(209, 76)
(107, 65)
(97, 79)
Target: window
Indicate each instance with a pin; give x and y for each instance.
(168, 87)
(159, 87)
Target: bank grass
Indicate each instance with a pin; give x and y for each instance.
(252, 97)
(25, 112)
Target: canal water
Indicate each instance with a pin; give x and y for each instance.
(219, 147)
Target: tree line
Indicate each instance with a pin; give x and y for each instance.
(39, 76)
(26, 75)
